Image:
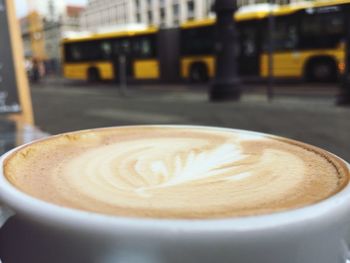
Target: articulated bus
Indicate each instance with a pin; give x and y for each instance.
(308, 43)
(96, 56)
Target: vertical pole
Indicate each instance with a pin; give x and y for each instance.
(122, 70)
(226, 84)
(271, 28)
(344, 96)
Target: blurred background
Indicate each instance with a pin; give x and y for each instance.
(97, 63)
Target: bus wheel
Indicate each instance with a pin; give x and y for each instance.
(323, 70)
(93, 75)
(198, 73)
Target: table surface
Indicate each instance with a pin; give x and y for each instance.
(15, 235)
(12, 135)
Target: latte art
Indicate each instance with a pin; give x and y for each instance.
(174, 172)
(145, 165)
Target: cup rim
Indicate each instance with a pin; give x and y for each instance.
(37, 209)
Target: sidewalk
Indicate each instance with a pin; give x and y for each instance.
(313, 119)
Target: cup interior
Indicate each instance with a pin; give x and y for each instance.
(42, 211)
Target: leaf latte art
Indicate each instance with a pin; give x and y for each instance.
(175, 172)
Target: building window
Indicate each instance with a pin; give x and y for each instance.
(150, 17)
(125, 18)
(176, 10)
(162, 13)
(111, 18)
(190, 10)
(149, 4)
(138, 18)
(162, 16)
(176, 14)
(176, 21)
(209, 6)
(119, 14)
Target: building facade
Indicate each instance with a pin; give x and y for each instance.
(50, 9)
(54, 31)
(100, 13)
(41, 34)
(32, 30)
(170, 13)
(163, 13)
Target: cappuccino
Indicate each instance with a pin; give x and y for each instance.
(175, 172)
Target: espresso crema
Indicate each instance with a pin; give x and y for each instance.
(175, 172)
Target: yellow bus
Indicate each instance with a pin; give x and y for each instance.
(96, 56)
(308, 42)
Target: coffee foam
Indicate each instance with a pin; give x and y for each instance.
(175, 172)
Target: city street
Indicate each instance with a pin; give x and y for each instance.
(301, 111)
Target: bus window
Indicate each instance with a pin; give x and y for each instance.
(285, 35)
(197, 41)
(322, 30)
(73, 52)
(249, 42)
(76, 52)
(106, 50)
(322, 24)
(335, 25)
(125, 46)
(143, 47)
(136, 47)
(92, 50)
(82, 51)
(249, 49)
(116, 47)
(146, 47)
(121, 46)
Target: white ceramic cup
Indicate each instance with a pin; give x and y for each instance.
(317, 233)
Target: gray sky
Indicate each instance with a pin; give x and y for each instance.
(21, 5)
